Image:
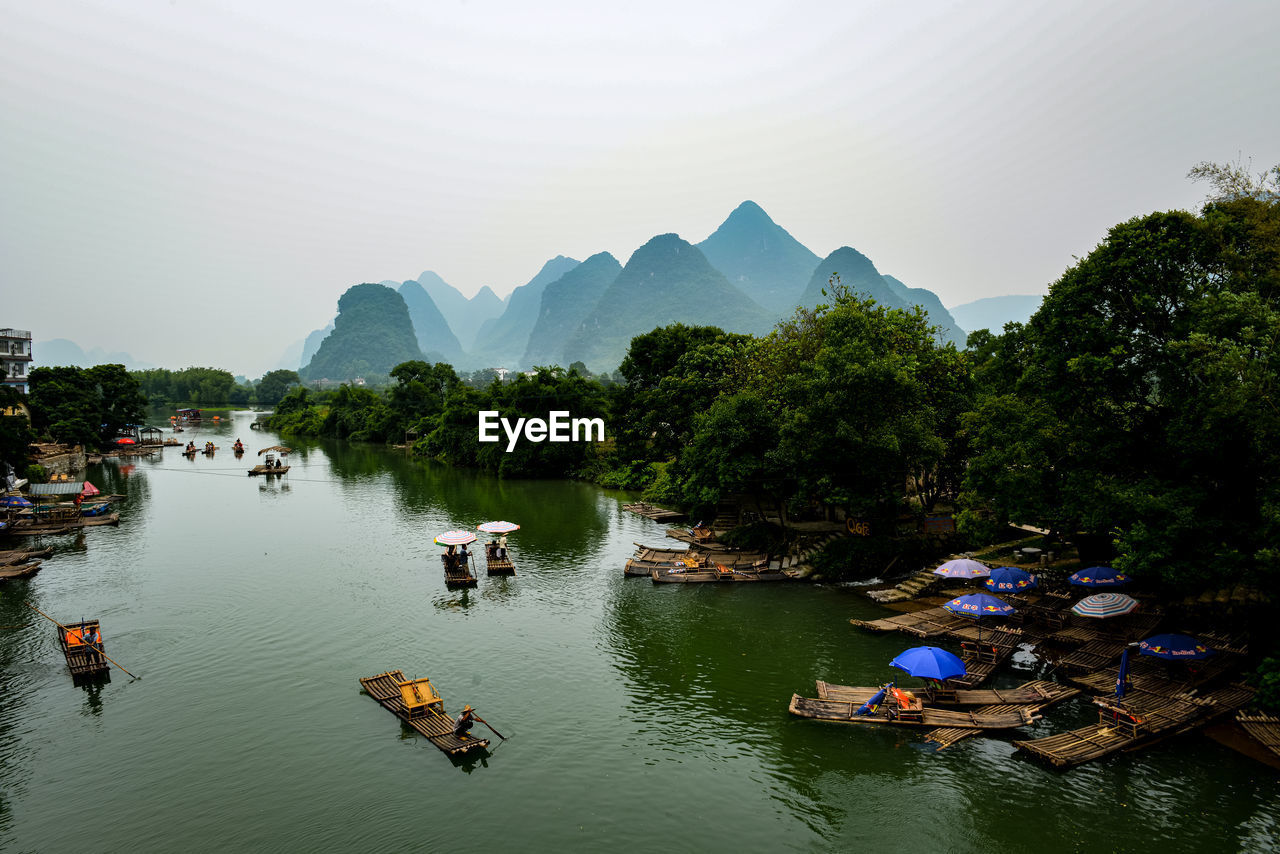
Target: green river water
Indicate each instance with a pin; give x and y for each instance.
(640, 717)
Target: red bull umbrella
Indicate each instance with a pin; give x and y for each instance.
(963, 568)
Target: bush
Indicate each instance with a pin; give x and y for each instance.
(857, 558)
(1267, 678)
(36, 473)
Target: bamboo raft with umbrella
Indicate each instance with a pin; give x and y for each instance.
(657, 514)
(418, 705)
(457, 565)
(272, 464)
(496, 557)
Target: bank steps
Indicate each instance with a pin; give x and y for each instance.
(800, 556)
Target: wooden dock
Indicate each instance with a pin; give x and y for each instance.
(82, 661)
(1142, 719)
(890, 715)
(657, 514)
(498, 563)
(428, 718)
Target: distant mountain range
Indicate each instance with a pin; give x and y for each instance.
(745, 277)
(993, 313)
(60, 352)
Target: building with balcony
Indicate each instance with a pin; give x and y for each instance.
(15, 358)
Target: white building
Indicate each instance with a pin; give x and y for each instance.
(15, 358)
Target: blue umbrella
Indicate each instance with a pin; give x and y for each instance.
(14, 501)
(1174, 647)
(1122, 678)
(962, 568)
(929, 662)
(1098, 576)
(876, 699)
(1010, 578)
(979, 605)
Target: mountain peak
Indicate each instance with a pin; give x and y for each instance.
(760, 257)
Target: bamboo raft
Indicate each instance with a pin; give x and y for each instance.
(82, 661)
(457, 573)
(28, 528)
(1264, 728)
(1139, 721)
(657, 514)
(424, 712)
(268, 470)
(693, 536)
(1039, 693)
(891, 714)
(498, 564)
(20, 570)
(10, 558)
(927, 623)
(981, 661)
(645, 560)
(719, 574)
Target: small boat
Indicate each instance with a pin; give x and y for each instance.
(172, 442)
(273, 461)
(417, 703)
(83, 658)
(238, 448)
(98, 509)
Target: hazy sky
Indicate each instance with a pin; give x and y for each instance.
(198, 182)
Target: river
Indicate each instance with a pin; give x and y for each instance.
(639, 717)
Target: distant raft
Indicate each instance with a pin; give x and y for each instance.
(417, 703)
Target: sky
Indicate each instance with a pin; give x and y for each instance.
(197, 183)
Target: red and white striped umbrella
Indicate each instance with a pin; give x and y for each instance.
(455, 538)
(497, 527)
(1102, 605)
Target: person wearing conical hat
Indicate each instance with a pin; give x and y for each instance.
(464, 722)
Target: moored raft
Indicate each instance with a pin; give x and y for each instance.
(719, 574)
(649, 511)
(416, 703)
(20, 570)
(82, 659)
(910, 712)
(1039, 693)
(1140, 720)
(646, 560)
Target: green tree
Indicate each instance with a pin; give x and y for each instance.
(273, 386)
(15, 431)
(1147, 397)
